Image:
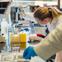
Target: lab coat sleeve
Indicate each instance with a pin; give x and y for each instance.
(51, 44)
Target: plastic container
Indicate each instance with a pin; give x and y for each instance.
(23, 39)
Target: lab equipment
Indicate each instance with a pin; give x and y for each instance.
(34, 41)
(12, 57)
(8, 48)
(18, 41)
(41, 35)
(40, 29)
(14, 38)
(22, 38)
(4, 26)
(14, 41)
(2, 42)
(29, 52)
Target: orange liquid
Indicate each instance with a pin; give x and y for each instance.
(18, 40)
(22, 37)
(23, 45)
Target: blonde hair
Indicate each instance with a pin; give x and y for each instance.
(44, 12)
(55, 12)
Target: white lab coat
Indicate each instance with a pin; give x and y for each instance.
(54, 23)
(52, 26)
(52, 44)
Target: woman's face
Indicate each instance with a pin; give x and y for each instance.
(44, 21)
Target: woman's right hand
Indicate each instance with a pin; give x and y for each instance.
(35, 38)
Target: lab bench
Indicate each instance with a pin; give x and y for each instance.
(17, 57)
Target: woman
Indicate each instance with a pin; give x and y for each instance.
(53, 16)
(43, 15)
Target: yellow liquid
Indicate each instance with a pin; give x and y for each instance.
(14, 38)
(18, 40)
(22, 37)
(23, 45)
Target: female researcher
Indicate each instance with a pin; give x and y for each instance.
(48, 46)
(53, 16)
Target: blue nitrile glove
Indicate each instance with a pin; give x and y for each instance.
(29, 52)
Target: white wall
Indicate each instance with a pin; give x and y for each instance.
(4, 0)
(41, 3)
(35, 0)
